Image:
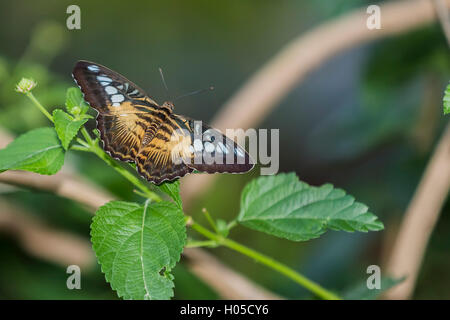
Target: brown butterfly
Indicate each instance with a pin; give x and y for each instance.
(164, 146)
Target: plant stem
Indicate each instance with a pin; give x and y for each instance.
(197, 244)
(269, 262)
(94, 147)
(80, 148)
(125, 173)
(87, 136)
(210, 219)
(39, 105)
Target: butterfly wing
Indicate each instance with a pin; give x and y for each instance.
(161, 158)
(125, 112)
(212, 151)
(183, 145)
(135, 128)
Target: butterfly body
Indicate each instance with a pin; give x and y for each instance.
(164, 145)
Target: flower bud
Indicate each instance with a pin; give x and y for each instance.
(25, 85)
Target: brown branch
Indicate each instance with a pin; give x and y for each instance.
(63, 249)
(262, 92)
(207, 267)
(44, 242)
(419, 221)
(444, 17)
(63, 184)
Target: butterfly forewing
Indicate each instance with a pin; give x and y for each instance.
(124, 110)
(135, 128)
(103, 88)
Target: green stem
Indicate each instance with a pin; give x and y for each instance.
(269, 262)
(197, 244)
(125, 173)
(94, 147)
(87, 136)
(210, 219)
(80, 148)
(39, 105)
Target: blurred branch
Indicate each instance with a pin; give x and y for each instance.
(423, 132)
(64, 249)
(44, 242)
(264, 90)
(419, 220)
(63, 184)
(229, 284)
(444, 17)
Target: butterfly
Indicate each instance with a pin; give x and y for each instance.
(163, 145)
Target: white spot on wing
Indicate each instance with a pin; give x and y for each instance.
(134, 92)
(93, 68)
(103, 78)
(116, 104)
(117, 98)
(110, 90)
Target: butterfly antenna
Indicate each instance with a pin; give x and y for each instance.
(211, 88)
(164, 81)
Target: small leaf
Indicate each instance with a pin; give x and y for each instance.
(173, 190)
(75, 103)
(222, 227)
(137, 247)
(37, 151)
(285, 207)
(447, 100)
(66, 127)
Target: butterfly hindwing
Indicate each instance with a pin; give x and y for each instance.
(183, 145)
(122, 135)
(210, 151)
(161, 158)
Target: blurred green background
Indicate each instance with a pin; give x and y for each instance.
(367, 121)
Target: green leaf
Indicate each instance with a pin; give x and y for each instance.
(75, 103)
(173, 190)
(361, 292)
(37, 151)
(66, 127)
(222, 227)
(137, 246)
(447, 100)
(285, 207)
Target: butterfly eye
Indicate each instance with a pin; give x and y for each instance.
(213, 138)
